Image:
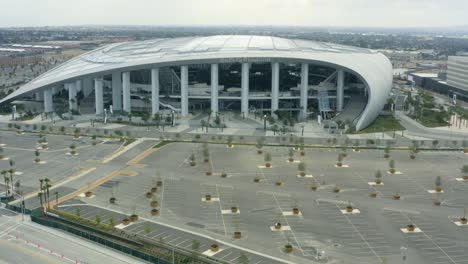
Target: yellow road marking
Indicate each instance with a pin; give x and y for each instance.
(135, 161)
(92, 186)
(80, 173)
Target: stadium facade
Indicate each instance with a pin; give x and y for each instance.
(248, 74)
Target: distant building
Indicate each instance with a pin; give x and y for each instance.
(457, 73)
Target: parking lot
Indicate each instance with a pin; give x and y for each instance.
(319, 231)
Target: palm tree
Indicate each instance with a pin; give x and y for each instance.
(6, 179)
(47, 187)
(56, 193)
(11, 171)
(7, 182)
(267, 160)
(39, 195)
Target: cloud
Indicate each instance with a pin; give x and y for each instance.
(389, 13)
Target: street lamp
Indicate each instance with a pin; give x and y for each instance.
(264, 122)
(302, 133)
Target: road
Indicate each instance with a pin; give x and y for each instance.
(23, 242)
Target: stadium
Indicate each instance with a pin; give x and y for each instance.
(245, 74)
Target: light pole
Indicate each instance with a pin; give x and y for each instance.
(302, 132)
(264, 122)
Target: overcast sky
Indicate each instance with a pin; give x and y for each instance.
(374, 13)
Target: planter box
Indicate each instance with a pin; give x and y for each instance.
(133, 217)
(193, 163)
(112, 200)
(349, 209)
(313, 188)
(154, 189)
(154, 203)
(278, 226)
(159, 183)
(396, 197)
(296, 211)
(88, 194)
(411, 228)
(126, 221)
(234, 209)
(208, 197)
(288, 248)
(237, 235)
(149, 195)
(214, 248)
(268, 165)
(155, 212)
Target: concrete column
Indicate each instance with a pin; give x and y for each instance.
(274, 87)
(78, 86)
(116, 91)
(184, 90)
(304, 88)
(127, 107)
(154, 91)
(99, 94)
(214, 88)
(48, 102)
(340, 90)
(245, 89)
(87, 85)
(72, 100)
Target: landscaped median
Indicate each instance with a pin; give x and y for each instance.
(118, 239)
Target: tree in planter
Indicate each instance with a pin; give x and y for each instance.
(464, 171)
(37, 154)
(302, 169)
(291, 155)
(206, 154)
(301, 147)
(134, 216)
(435, 143)
(192, 160)
(438, 184)
(378, 177)
(339, 163)
(73, 149)
(259, 146)
(229, 140)
(413, 154)
(267, 160)
(77, 133)
(386, 153)
(391, 165)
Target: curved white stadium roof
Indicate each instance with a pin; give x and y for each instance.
(372, 67)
